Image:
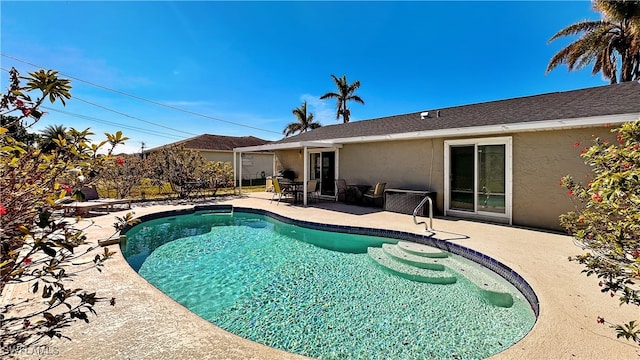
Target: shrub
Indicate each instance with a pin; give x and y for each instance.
(39, 246)
(606, 220)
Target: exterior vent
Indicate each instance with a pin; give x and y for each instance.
(438, 113)
(424, 115)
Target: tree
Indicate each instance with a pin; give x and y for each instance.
(124, 173)
(50, 134)
(187, 171)
(305, 121)
(606, 220)
(606, 43)
(345, 93)
(38, 246)
(17, 131)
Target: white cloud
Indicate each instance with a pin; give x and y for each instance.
(323, 110)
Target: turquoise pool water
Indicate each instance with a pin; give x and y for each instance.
(316, 293)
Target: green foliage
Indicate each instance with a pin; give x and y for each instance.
(17, 131)
(39, 246)
(187, 171)
(51, 136)
(606, 222)
(124, 173)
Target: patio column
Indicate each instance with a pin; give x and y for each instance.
(240, 174)
(305, 168)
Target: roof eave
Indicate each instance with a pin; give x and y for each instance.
(546, 125)
(286, 146)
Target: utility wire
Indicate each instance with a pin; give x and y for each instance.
(147, 100)
(126, 115)
(133, 117)
(119, 125)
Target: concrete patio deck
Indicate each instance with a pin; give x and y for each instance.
(146, 324)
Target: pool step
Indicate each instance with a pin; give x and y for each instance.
(423, 263)
(421, 250)
(490, 285)
(409, 272)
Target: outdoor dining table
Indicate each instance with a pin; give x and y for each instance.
(295, 187)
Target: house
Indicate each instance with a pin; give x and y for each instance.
(499, 161)
(255, 166)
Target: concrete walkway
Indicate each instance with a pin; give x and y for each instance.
(146, 324)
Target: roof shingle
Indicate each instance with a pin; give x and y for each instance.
(623, 98)
(219, 142)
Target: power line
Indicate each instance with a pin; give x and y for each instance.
(133, 117)
(134, 128)
(147, 100)
(125, 115)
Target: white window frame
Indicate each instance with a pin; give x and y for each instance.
(507, 141)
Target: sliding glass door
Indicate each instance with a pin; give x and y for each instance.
(491, 178)
(478, 177)
(322, 168)
(462, 183)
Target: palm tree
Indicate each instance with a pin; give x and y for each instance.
(305, 121)
(51, 133)
(606, 43)
(345, 93)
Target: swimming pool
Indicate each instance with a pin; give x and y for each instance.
(316, 293)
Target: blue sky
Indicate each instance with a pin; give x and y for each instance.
(239, 68)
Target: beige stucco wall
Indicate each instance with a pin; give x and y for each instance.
(540, 159)
(259, 162)
(412, 164)
(290, 160)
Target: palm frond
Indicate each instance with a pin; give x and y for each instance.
(329, 95)
(579, 27)
(356, 98)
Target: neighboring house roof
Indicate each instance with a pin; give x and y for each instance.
(218, 142)
(569, 109)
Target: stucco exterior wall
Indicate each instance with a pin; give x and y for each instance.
(253, 166)
(540, 159)
(290, 160)
(217, 156)
(412, 164)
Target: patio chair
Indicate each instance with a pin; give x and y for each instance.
(341, 189)
(278, 191)
(312, 193)
(376, 195)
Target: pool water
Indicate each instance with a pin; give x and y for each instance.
(316, 293)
